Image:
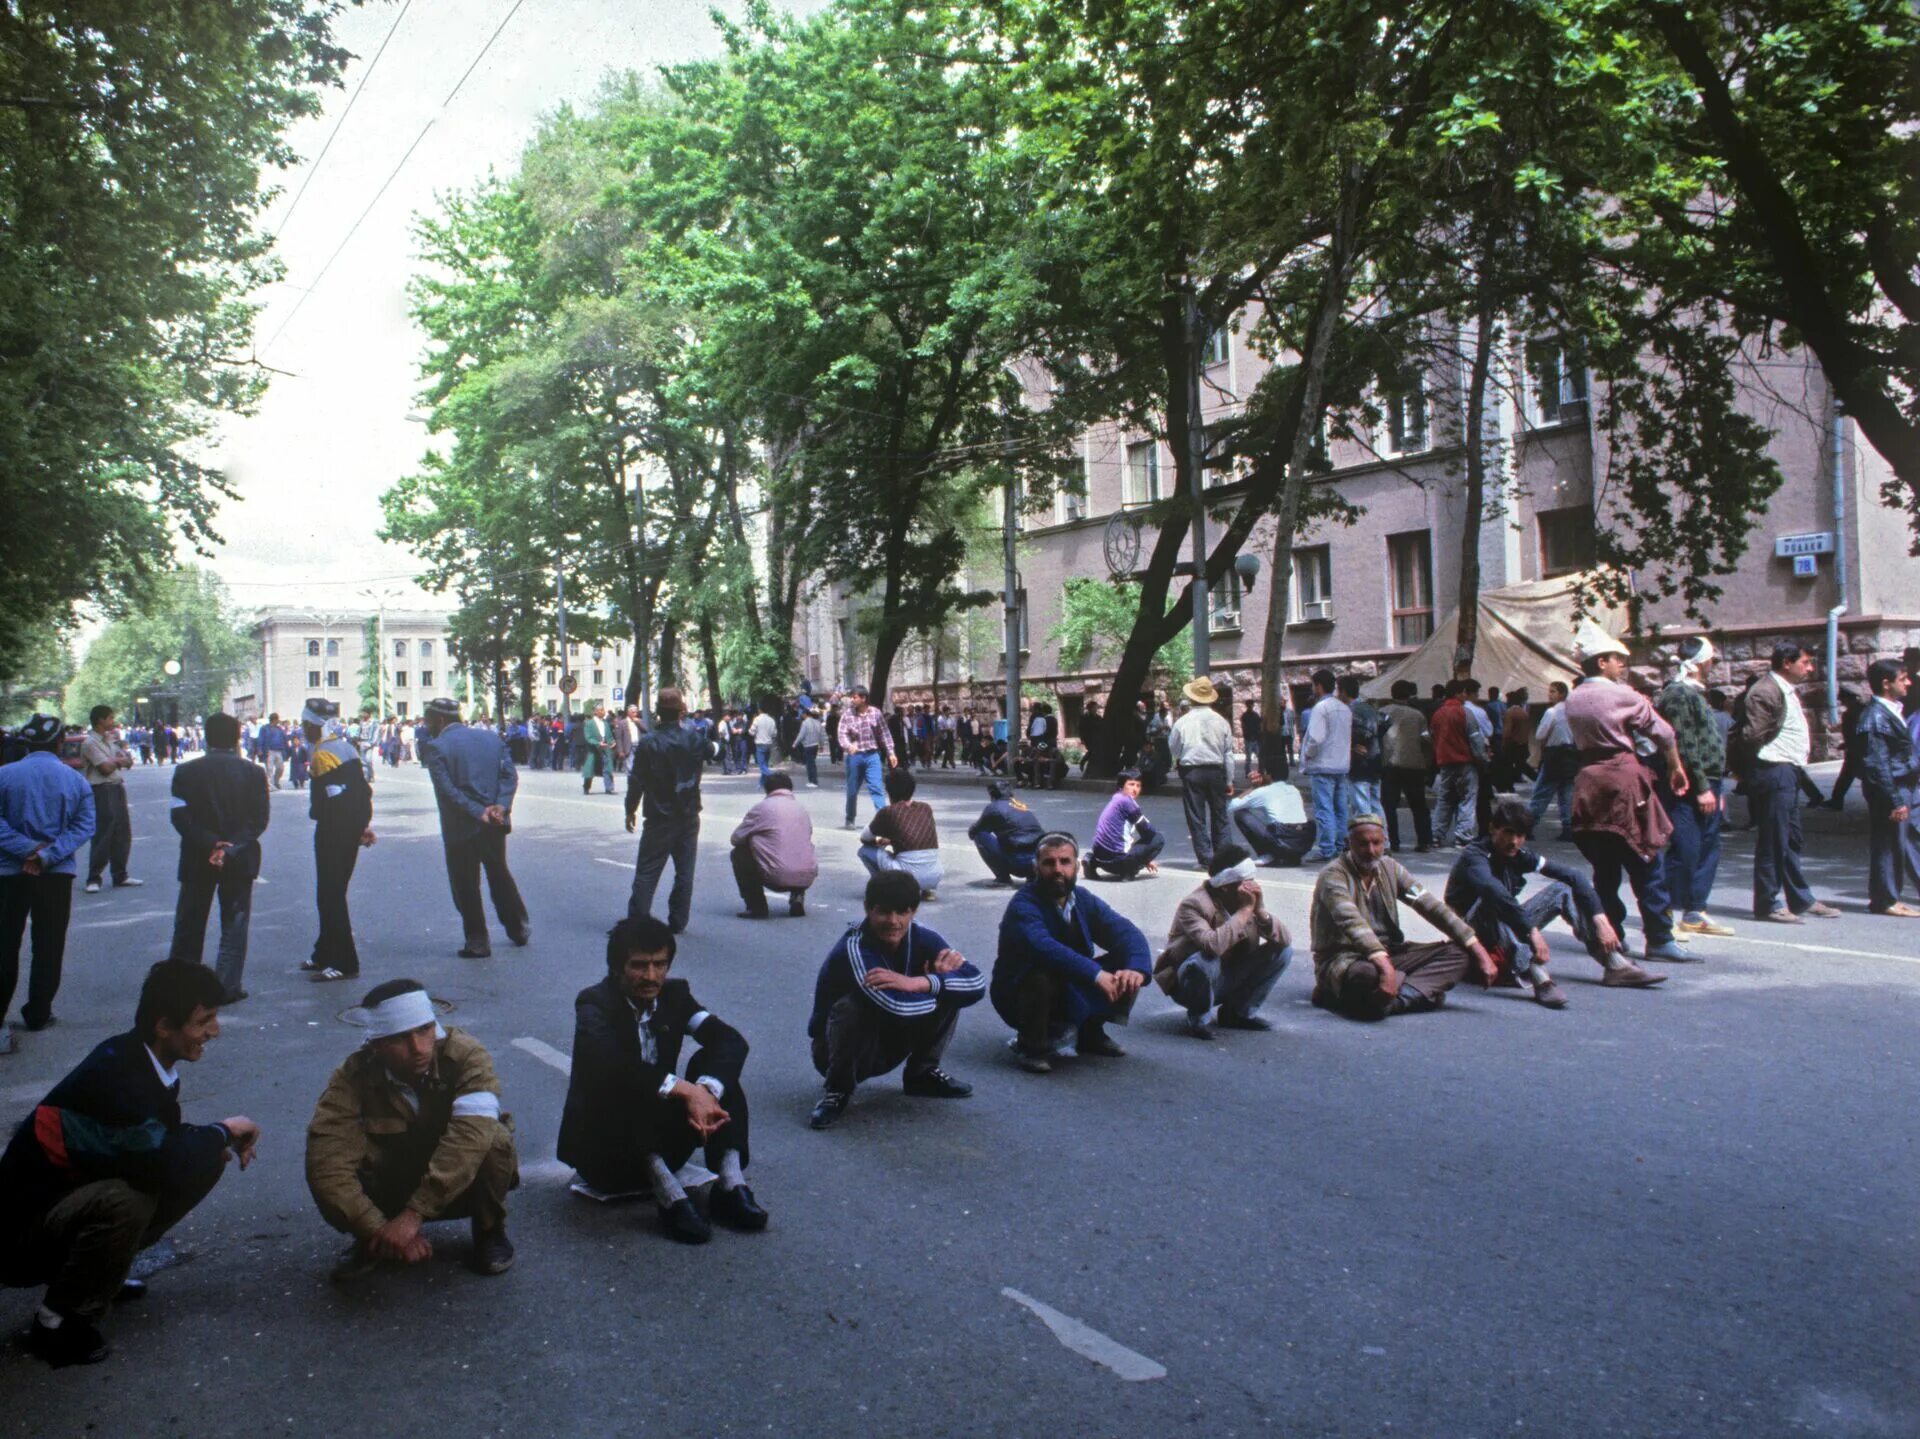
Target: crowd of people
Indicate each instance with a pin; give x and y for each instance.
(410, 1130)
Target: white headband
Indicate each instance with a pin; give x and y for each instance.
(402, 1014)
(1233, 874)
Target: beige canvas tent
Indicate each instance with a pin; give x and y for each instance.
(1526, 638)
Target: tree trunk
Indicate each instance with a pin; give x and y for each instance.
(1466, 601)
(711, 658)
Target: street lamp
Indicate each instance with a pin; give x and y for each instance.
(380, 598)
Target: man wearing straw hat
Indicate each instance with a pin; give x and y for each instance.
(1202, 744)
(409, 1131)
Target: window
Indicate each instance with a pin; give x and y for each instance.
(399, 649)
(399, 679)
(333, 649)
(619, 651)
(400, 706)
(426, 679)
(333, 679)
(1213, 349)
(1410, 558)
(1566, 540)
(1559, 382)
(313, 679)
(553, 677)
(313, 649)
(573, 650)
(599, 678)
(1224, 604)
(1142, 482)
(1313, 585)
(1073, 502)
(1406, 412)
(426, 649)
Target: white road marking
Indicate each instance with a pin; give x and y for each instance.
(124, 919)
(545, 1053)
(1090, 1343)
(616, 863)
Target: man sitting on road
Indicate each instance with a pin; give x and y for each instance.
(1005, 834)
(1485, 886)
(632, 1116)
(1274, 820)
(1068, 963)
(1224, 948)
(1364, 968)
(889, 993)
(104, 1167)
(1125, 843)
(408, 1131)
(773, 849)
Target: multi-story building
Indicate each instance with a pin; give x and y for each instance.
(1366, 594)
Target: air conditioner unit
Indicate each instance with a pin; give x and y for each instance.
(1316, 612)
(1226, 619)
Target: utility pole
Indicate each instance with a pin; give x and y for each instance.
(1197, 486)
(1012, 595)
(560, 599)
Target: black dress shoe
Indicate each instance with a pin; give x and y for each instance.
(520, 939)
(492, 1250)
(34, 1026)
(827, 1112)
(737, 1209)
(485, 952)
(936, 1083)
(797, 906)
(1243, 1021)
(754, 914)
(234, 996)
(1099, 1044)
(684, 1224)
(130, 1291)
(74, 1342)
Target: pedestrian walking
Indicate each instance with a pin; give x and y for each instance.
(1693, 859)
(806, 744)
(220, 808)
(1774, 744)
(664, 789)
(864, 738)
(474, 783)
(598, 734)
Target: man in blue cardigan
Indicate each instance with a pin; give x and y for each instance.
(1068, 963)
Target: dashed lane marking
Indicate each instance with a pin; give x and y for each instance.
(1090, 1343)
(545, 1053)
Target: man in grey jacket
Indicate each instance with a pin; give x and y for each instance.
(474, 783)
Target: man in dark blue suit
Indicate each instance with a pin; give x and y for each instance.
(104, 1166)
(1068, 963)
(221, 809)
(474, 782)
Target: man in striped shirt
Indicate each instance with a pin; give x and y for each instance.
(889, 993)
(864, 737)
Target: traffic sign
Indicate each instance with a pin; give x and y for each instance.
(569, 683)
(618, 694)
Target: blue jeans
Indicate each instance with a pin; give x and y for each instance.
(1550, 901)
(1239, 984)
(1613, 860)
(1558, 766)
(809, 755)
(1693, 858)
(761, 752)
(1454, 819)
(923, 864)
(864, 769)
(1329, 813)
(1006, 864)
(1363, 797)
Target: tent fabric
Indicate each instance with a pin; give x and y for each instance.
(1526, 638)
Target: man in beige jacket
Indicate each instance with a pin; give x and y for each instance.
(1225, 948)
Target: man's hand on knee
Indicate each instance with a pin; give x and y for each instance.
(400, 1238)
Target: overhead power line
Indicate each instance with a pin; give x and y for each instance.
(393, 175)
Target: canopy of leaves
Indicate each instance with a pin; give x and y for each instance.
(188, 622)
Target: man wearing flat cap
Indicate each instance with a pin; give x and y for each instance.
(410, 1131)
(474, 783)
(341, 806)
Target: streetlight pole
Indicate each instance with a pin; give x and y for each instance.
(1197, 484)
(380, 598)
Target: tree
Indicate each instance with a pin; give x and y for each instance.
(1096, 618)
(190, 624)
(135, 137)
(46, 668)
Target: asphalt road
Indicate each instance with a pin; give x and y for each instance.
(1686, 1212)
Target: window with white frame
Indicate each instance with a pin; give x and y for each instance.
(1142, 480)
(333, 649)
(313, 679)
(426, 679)
(399, 679)
(1557, 381)
(1224, 604)
(313, 649)
(399, 649)
(1405, 412)
(426, 649)
(1312, 585)
(1410, 567)
(333, 679)
(1073, 501)
(1214, 349)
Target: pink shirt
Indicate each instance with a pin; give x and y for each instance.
(1607, 716)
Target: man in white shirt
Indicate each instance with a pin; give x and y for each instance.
(1559, 761)
(1775, 739)
(1326, 754)
(765, 731)
(1273, 818)
(1201, 742)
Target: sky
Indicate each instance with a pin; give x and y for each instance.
(333, 432)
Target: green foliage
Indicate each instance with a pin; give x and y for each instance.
(134, 138)
(45, 670)
(369, 697)
(1096, 619)
(188, 621)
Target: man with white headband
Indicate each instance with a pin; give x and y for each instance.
(1693, 856)
(1224, 948)
(410, 1131)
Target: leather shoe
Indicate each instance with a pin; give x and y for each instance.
(234, 996)
(1033, 1063)
(1781, 916)
(827, 1112)
(1196, 1027)
(935, 1083)
(738, 1209)
(1098, 1044)
(1820, 909)
(521, 939)
(1548, 996)
(485, 952)
(1669, 953)
(797, 906)
(130, 1291)
(74, 1342)
(1243, 1021)
(1632, 976)
(684, 1224)
(492, 1251)
(753, 914)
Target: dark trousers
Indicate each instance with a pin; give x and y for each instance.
(1282, 844)
(1006, 864)
(1139, 855)
(1427, 972)
(810, 757)
(197, 892)
(1693, 856)
(83, 1247)
(112, 833)
(662, 840)
(467, 856)
(1773, 794)
(752, 883)
(392, 1184)
(47, 900)
(1049, 1006)
(1203, 796)
(1893, 852)
(1409, 785)
(862, 1042)
(663, 1130)
(335, 853)
(1613, 860)
(597, 759)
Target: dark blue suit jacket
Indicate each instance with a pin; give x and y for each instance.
(470, 769)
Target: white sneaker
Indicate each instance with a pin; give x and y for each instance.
(128, 883)
(93, 886)
(7, 1042)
